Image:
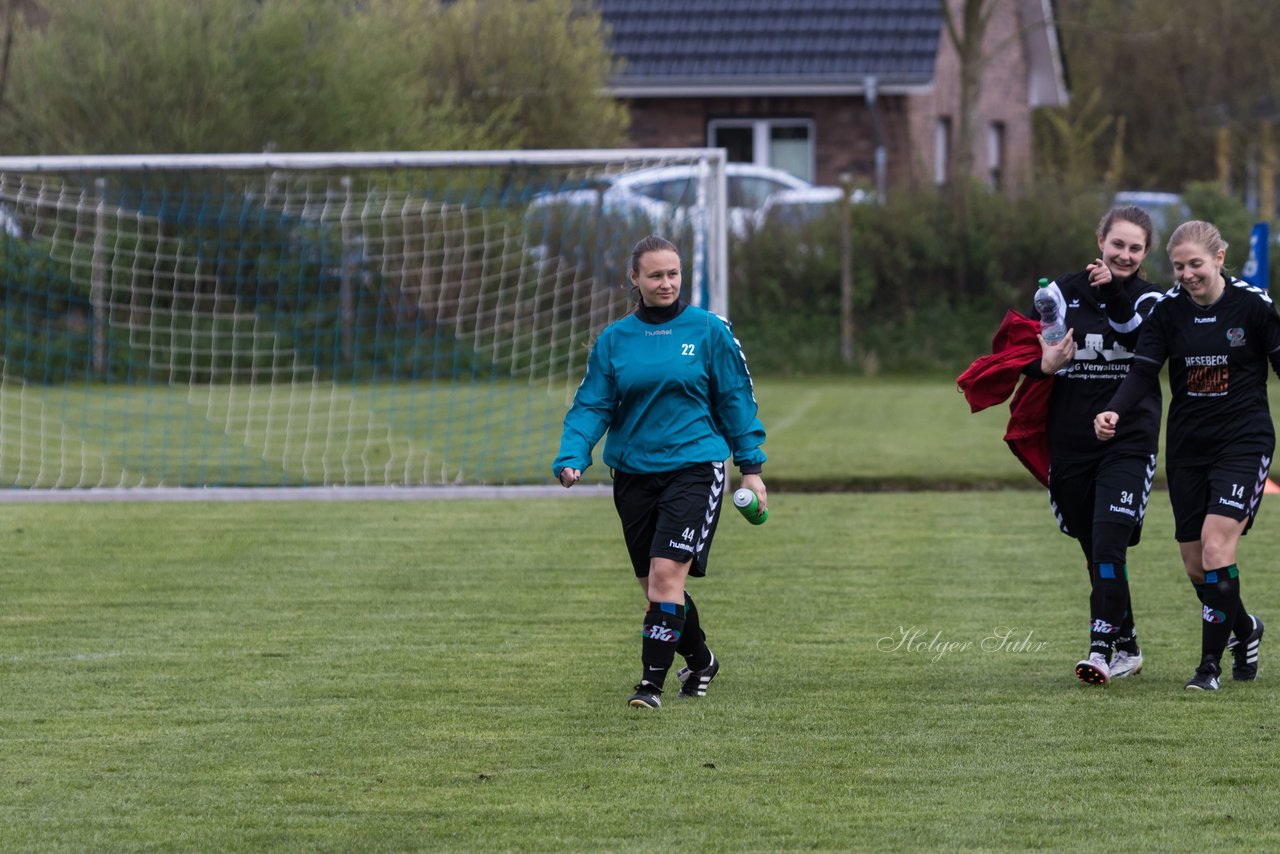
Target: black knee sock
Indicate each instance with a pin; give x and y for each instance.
(1221, 606)
(693, 640)
(1109, 543)
(1127, 640)
(663, 626)
(1244, 623)
(1108, 603)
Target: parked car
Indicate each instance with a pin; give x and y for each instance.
(660, 194)
(1167, 210)
(9, 223)
(791, 208)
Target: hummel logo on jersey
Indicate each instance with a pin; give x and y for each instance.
(1213, 319)
(1075, 303)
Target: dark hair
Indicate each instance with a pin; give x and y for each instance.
(652, 243)
(1128, 213)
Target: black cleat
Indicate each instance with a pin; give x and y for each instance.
(694, 683)
(1244, 653)
(1206, 676)
(647, 696)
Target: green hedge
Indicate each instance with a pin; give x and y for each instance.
(931, 276)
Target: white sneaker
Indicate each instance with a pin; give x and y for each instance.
(1125, 664)
(1094, 670)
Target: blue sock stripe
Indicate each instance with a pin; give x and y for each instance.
(1211, 577)
(1106, 570)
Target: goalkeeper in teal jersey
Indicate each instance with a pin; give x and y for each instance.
(670, 385)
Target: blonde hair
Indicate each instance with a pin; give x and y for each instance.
(1201, 233)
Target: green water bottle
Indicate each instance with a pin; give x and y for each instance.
(749, 505)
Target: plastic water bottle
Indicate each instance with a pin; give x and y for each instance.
(1052, 326)
(748, 505)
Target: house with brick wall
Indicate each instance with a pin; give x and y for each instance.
(828, 88)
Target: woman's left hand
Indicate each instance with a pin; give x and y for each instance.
(755, 483)
(1054, 357)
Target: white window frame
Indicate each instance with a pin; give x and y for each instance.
(760, 138)
(941, 149)
(996, 134)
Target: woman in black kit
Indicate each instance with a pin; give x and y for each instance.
(1218, 335)
(1099, 491)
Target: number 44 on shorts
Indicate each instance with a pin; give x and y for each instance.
(688, 535)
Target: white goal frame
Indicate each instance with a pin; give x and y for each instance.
(706, 276)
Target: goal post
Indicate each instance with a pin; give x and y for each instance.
(291, 320)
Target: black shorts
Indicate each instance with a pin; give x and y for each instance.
(1113, 489)
(670, 514)
(1228, 486)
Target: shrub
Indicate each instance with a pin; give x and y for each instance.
(929, 284)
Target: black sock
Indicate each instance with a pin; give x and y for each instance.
(1108, 601)
(1221, 606)
(693, 640)
(1244, 623)
(663, 626)
(1127, 640)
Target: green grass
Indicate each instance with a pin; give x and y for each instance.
(823, 433)
(278, 434)
(452, 676)
(867, 433)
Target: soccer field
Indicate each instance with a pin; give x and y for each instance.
(452, 676)
(823, 433)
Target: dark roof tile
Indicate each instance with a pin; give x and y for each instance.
(792, 40)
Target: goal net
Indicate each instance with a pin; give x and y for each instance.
(398, 319)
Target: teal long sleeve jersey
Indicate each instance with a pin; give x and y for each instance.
(672, 389)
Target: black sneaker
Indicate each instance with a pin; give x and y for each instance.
(1244, 653)
(647, 696)
(1206, 676)
(693, 683)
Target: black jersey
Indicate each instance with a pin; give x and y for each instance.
(1105, 322)
(1217, 357)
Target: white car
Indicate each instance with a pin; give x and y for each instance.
(661, 194)
(791, 208)
(1167, 210)
(9, 223)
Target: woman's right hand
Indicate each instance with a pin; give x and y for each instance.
(1104, 425)
(568, 477)
(1054, 357)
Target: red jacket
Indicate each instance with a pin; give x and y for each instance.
(991, 379)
